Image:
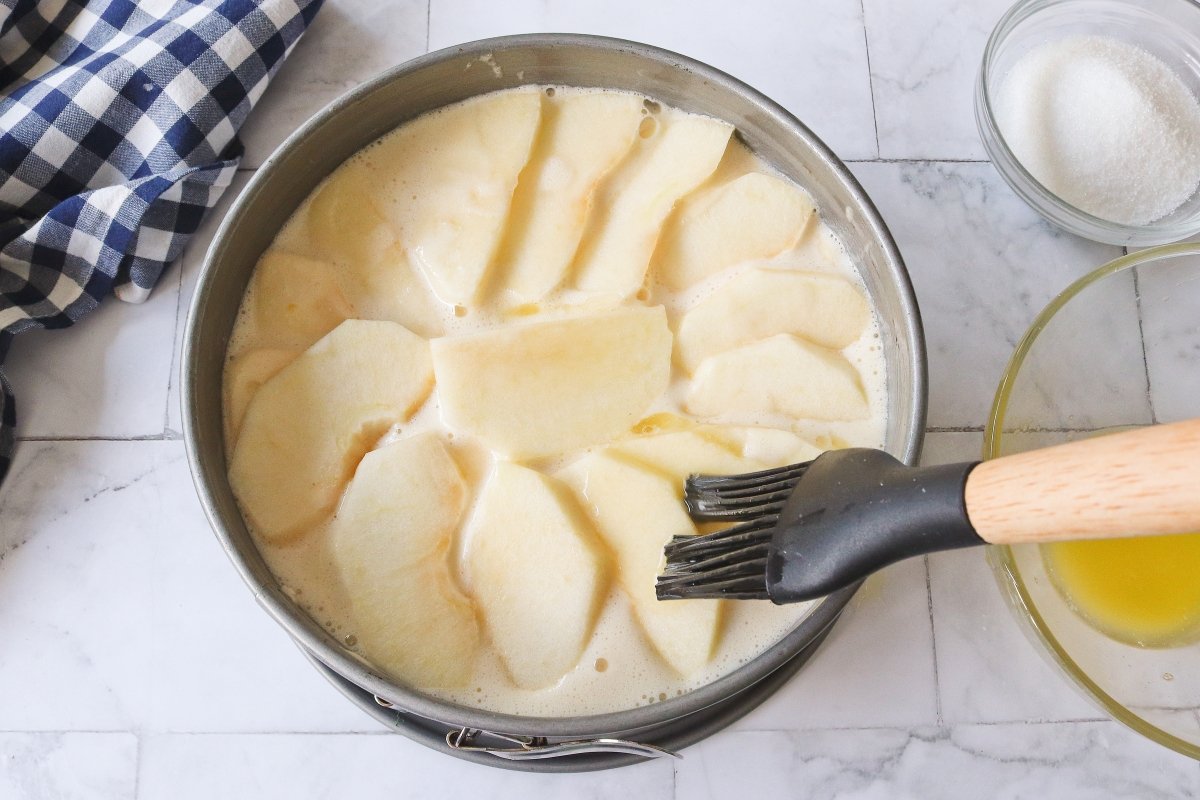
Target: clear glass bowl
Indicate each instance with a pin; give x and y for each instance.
(1168, 29)
(1120, 347)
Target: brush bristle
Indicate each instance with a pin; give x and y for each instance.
(731, 563)
(733, 497)
(727, 564)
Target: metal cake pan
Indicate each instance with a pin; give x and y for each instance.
(447, 76)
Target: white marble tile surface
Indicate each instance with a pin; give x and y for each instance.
(1077, 760)
(1087, 368)
(348, 43)
(381, 765)
(876, 667)
(128, 614)
(75, 583)
(68, 766)
(106, 376)
(924, 62)
(1169, 294)
(988, 671)
(983, 265)
(810, 57)
(136, 665)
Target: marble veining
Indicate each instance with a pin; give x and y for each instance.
(68, 766)
(107, 378)
(1084, 760)
(924, 61)
(803, 55)
(982, 263)
(178, 767)
(136, 664)
(351, 42)
(882, 646)
(1169, 299)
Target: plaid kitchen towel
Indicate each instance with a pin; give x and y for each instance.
(118, 124)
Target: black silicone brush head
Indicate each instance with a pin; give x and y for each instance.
(729, 563)
(812, 528)
(752, 496)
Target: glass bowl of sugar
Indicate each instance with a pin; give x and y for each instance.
(1090, 111)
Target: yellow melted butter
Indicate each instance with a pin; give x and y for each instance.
(1140, 590)
(1144, 591)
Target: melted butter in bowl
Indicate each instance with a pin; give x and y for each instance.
(471, 372)
(1142, 590)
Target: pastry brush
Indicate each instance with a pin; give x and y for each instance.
(805, 530)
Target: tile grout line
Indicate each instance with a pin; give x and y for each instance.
(139, 735)
(937, 684)
(167, 435)
(881, 160)
(137, 766)
(870, 77)
(64, 731)
(428, 21)
(173, 373)
(1137, 297)
(979, 429)
(945, 727)
(384, 732)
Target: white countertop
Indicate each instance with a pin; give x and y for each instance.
(134, 662)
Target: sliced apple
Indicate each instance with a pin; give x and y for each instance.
(446, 181)
(414, 621)
(389, 288)
(781, 375)
(825, 309)
(307, 427)
(388, 542)
(770, 447)
(751, 217)
(582, 137)
(538, 573)
(682, 453)
(341, 224)
(736, 162)
(635, 199)
(819, 246)
(402, 505)
(244, 376)
(296, 300)
(637, 512)
(544, 388)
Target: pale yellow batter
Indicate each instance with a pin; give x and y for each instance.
(560, 302)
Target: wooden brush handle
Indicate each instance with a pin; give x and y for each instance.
(1140, 482)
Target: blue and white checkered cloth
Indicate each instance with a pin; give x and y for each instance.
(118, 125)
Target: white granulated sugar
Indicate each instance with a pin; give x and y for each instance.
(1104, 125)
